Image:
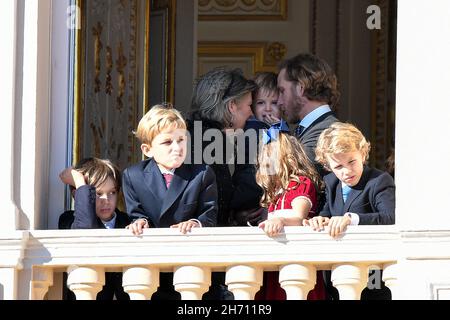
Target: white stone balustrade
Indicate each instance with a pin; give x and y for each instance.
(243, 253)
(244, 281)
(191, 281)
(140, 282)
(297, 280)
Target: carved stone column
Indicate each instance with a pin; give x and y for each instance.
(191, 281)
(390, 278)
(41, 280)
(297, 280)
(85, 282)
(349, 280)
(140, 282)
(244, 281)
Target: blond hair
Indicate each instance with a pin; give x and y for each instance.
(156, 120)
(341, 138)
(292, 162)
(96, 171)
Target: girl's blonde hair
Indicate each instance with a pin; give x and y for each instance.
(156, 120)
(341, 138)
(291, 162)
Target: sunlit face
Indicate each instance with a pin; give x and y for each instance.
(348, 167)
(288, 101)
(241, 111)
(168, 148)
(106, 200)
(266, 106)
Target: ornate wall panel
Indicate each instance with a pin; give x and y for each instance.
(383, 72)
(242, 9)
(109, 79)
(251, 57)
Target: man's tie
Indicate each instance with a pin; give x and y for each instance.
(168, 178)
(345, 191)
(299, 130)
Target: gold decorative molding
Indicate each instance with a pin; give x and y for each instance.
(242, 10)
(264, 56)
(383, 84)
(169, 81)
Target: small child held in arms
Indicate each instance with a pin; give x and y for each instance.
(290, 185)
(355, 193)
(95, 184)
(265, 98)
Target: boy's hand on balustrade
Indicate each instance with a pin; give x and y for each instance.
(272, 227)
(338, 225)
(138, 226)
(316, 223)
(186, 226)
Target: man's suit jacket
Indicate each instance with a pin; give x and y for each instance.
(373, 198)
(84, 217)
(310, 135)
(192, 194)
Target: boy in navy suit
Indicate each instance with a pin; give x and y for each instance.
(163, 191)
(95, 184)
(355, 193)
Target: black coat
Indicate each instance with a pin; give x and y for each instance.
(235, 192)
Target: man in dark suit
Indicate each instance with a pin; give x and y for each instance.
(95, 184)
(308, 91)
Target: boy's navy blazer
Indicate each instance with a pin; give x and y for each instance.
(192, 194)
(373, 198)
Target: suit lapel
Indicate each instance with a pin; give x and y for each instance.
(156, 187)
(180, 180)
(356, 190)
(319, 119)
(339, 200)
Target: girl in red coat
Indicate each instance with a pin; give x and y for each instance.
(290, 185)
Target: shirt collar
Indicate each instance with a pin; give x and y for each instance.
(165, 171)
(314, 115)
(111, 223)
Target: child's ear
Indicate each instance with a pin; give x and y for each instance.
(146, 150)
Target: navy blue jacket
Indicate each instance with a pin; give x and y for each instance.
(192, 194)
(373, 198)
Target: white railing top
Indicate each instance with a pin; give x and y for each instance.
(214, 247)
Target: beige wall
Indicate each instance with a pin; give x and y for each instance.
(293, 32)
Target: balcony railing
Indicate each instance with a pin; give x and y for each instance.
(243, 253)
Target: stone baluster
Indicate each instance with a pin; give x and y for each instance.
(192, 281)
(349, 280)
(41, 280)
(390, 274)
(85, 282)
(297, 280)
(140, 282)
(244, 281)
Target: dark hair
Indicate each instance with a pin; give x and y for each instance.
(215, 89)
(97, 171)
(315, 75)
